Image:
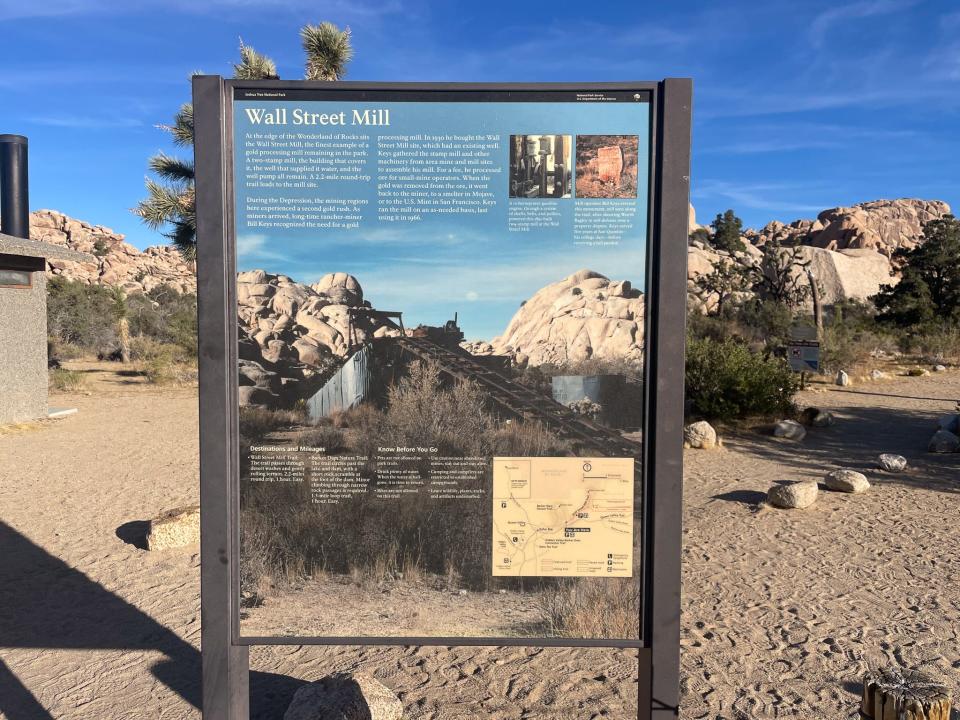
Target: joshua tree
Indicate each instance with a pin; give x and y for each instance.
(328, 51)
(170, 201)
(780, 274)
(723, 283)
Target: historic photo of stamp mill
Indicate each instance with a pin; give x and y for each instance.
(540, 166)
(607, 166)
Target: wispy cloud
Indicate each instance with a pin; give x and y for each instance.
(822, 23)
(793, 137)
(84, 122)
(252, 248)
(756, 196)
(348, 9)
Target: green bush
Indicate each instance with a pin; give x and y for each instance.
(165, 315)
(725, 380)
(82, 315)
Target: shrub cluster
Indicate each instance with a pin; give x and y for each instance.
(157, 330)
(726, 380)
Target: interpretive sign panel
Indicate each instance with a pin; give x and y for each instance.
(400, 288)
(412, 270)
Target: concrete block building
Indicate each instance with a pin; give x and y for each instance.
(23, 325)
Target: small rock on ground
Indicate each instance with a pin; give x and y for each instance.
(944, 441)
(175, 528)
(700, 435)
(848, 481)
(789, 429)
(345, 696)
(893, 463)
(794, 495)
(815, 417)
(843, 379)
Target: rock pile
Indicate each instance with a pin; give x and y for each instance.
(117, 262)
(292, 333)
(881, 225)
(584, 316)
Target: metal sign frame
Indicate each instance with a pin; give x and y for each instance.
(225, 652)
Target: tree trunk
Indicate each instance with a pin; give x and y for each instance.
(899, 694)
(817, 307)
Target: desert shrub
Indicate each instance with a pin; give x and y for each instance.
(422, 412)
(165, 315)
(161, 363)
(66, 380)
(725, 380)
(257, 422)
(58, 350)
(520, 439)
(82, 315)
(938, 344)
(325, 436)
(586, 608)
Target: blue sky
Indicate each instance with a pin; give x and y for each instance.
(799, 105)
(441, 264)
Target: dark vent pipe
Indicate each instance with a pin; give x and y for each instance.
(14, 196)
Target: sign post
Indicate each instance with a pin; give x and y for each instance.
(352, 238)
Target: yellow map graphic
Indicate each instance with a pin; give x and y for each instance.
(563, 516)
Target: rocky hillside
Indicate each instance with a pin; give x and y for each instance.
(584, 316)
(882, 225)
(118, 263)
(849, 247)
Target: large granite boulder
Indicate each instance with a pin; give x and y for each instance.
(586, 315)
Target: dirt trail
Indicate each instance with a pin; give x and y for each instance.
(782, 611)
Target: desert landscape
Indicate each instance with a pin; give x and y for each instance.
(782, 610)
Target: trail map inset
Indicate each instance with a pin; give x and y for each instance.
(563, 516)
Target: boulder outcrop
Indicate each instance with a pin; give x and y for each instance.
(117, 262)
(291, 333)
(584, 316)
(849, 248)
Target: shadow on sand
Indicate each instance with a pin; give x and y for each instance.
(48, 604)
(852, 443)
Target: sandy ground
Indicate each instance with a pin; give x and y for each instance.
(783, 610)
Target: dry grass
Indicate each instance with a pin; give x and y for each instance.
(66, 380)
(592, 608)
(257, 422)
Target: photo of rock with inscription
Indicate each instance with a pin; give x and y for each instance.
(607, 166)
(401, 481)
(540, 166)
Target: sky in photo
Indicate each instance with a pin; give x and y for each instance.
(442, 264)
(799, 106)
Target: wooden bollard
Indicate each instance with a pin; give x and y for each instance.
(900, 694)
